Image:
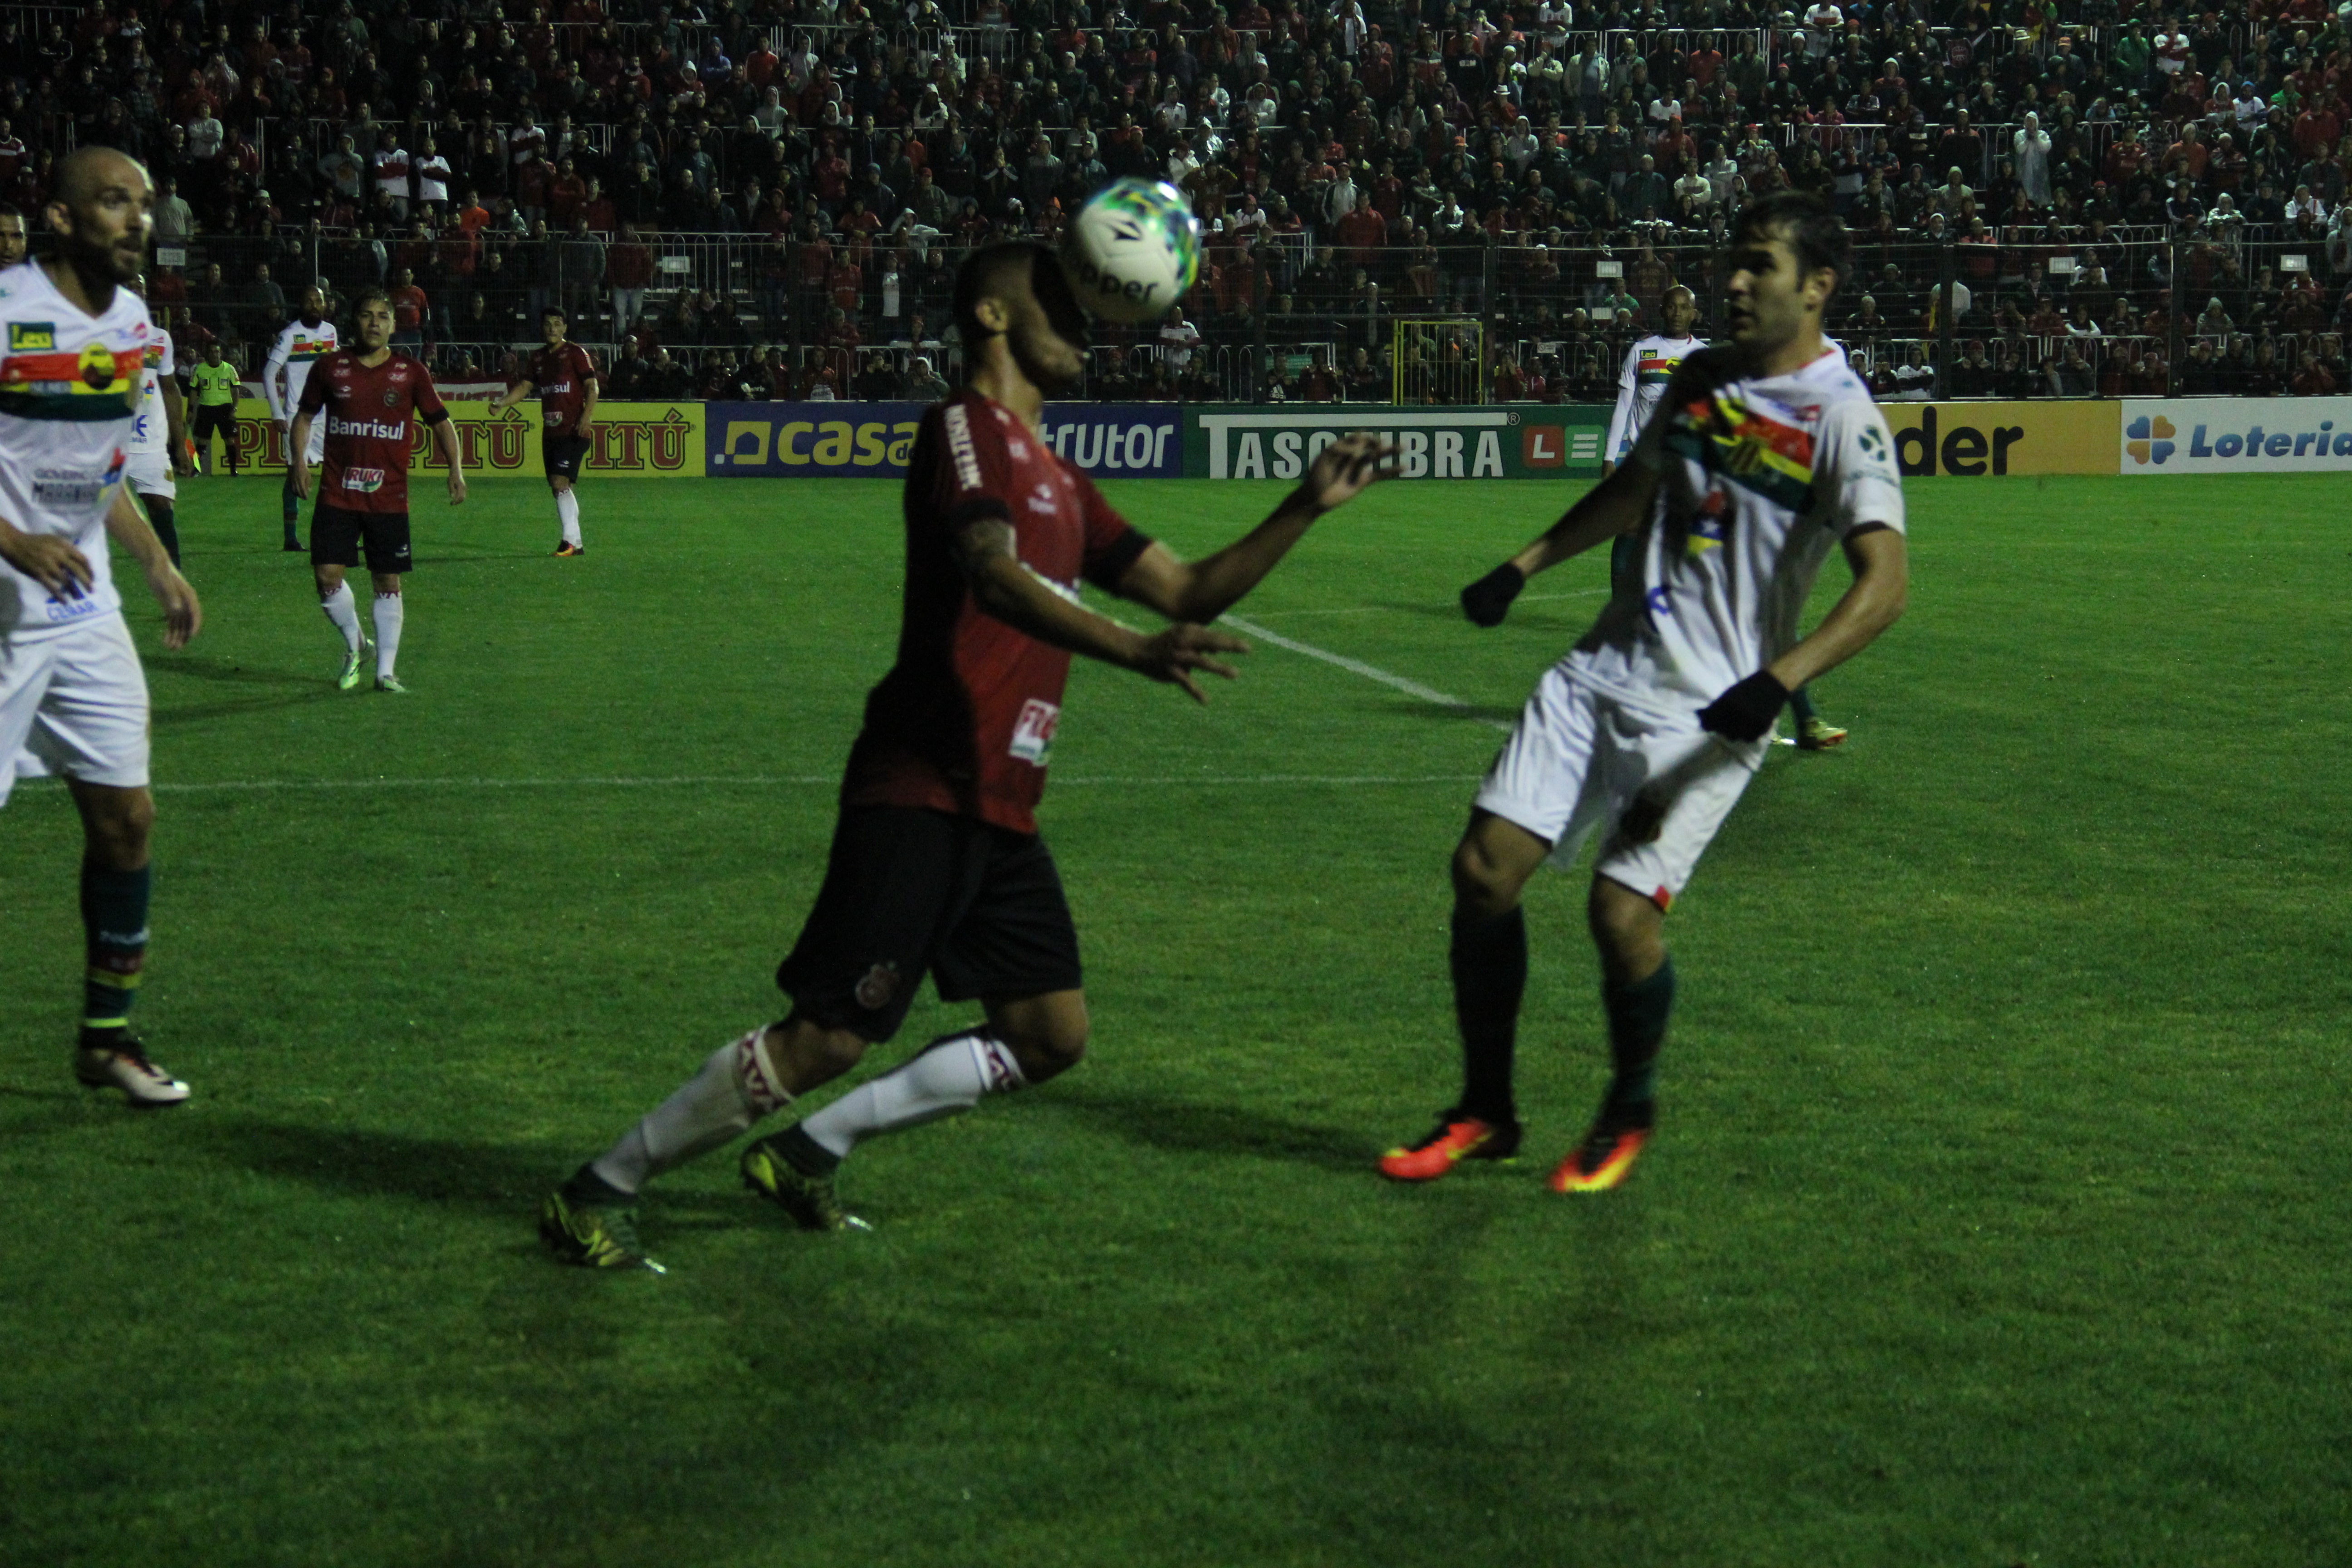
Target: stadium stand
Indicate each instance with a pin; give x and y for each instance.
(767, 197)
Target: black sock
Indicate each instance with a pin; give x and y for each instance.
(1801, 706)
(114, 921)
(587, 1187)
(805, 1154)
(159, 517)
(290, 502)
(1489, 960)
(1637, 1027)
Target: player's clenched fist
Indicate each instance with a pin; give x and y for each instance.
(1175, 654)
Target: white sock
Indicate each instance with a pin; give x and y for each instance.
(567, 511)
(388, 614)
(735, 1087)
(948, 1077)
(343, 613)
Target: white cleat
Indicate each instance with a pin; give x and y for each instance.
(125, 1066)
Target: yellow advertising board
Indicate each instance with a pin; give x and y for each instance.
(1970, 439)
(647, 440)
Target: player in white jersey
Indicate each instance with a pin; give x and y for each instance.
(1766, 453)
(306, 340)
(1650, 364)
(73, 700)
(158, 436)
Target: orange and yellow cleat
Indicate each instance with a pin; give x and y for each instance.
(1608, 1151)
(1456, 1137)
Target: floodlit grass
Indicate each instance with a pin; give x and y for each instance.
(1997, 1213)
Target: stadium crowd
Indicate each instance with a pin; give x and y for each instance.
(756, 198)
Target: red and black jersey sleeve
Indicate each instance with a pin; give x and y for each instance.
(429, 406)
(584, 364)
(1113, 545)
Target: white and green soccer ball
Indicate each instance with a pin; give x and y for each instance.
(1132, 250)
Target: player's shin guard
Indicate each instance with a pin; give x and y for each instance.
(567, 513)
(388, 617)
(952, 1073)
(159, 517)
(736, 1086)
(114, 921)
(1637, 1027)
(1489, 960)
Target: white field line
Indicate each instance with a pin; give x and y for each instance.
(1429, 694)
(777, 781)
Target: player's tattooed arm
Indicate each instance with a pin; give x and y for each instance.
(298, 453)
(984, 548)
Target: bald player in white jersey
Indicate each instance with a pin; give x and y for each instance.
(302, 342)
(1767, 452)
(73, 700)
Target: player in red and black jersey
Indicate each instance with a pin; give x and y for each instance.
(368, 396)
(936, 865)
(566, 380)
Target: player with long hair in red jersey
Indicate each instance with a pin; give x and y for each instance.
(368, 396)
(937, 867)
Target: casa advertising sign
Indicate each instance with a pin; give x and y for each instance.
(876, 441)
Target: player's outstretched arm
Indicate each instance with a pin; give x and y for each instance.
(444, 437)
(1616, 505)
(1201, 591)
(511, 396)
(182, 616)
(1014, 595)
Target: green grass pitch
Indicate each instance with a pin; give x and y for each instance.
(1998, 1214)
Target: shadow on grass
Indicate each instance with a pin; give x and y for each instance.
(1486, 712)
(271, 687)
(1191, 1127)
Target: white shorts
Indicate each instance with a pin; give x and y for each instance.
(151, 474)
(73, 702)
(1577, 759)
(318, 436)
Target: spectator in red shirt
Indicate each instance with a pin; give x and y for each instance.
(1361, 233)
(409, 307)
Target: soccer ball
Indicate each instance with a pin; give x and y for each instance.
(1132, 250)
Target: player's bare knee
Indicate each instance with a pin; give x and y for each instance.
(1483, 884)
(1046, 1053)
(1628, 928)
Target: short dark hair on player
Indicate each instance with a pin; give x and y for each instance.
(554, 311)
(10, 209)
(1805, 221)
(366, 294)
(986, 271)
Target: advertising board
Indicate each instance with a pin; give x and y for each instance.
(2236, 436)
(647, 440)
(874, 441)
(1518, 441)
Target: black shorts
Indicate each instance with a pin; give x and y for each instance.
(336, 534)
(216, 419)
(562, 456)
(909, 891)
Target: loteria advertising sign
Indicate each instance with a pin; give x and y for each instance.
(2236, 436)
